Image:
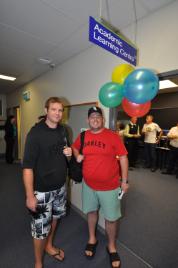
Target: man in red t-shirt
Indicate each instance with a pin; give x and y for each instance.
(103, 179)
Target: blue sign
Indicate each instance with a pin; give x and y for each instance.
(103, 37)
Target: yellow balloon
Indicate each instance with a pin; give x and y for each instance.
(120, 73)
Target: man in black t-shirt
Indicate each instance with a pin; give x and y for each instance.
(44, 176)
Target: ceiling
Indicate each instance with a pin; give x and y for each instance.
(56, 30)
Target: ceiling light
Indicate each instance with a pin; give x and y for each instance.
(5, 77)
(166, 84)
(45, 61)
(48, 62)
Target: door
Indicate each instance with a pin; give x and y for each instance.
(17, 149)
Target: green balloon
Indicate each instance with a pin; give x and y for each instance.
(111, 94)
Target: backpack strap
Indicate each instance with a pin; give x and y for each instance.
(82, 138)
(65, 136)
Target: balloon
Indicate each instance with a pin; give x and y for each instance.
(111, 94)
(120, 73)
(141, 86)
(135, 109)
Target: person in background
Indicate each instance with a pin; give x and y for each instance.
(102, 179)
(44, 176)
(132, 133)
(173, 153)
(10, 136)
(150, 131)
(120, 127)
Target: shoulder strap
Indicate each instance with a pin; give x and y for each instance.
(82, 138)
(65, 136)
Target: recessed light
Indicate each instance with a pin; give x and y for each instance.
(166, 84)
(45, 61)
(5, 77)
(48, 62)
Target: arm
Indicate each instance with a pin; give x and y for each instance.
(76, 148)
(124, 172)
(67, 151)
(138, 133)
(31, 154)
(126, 132)
(171, 135)
(79, 157)
(143, 129)
(160, 134)
(31, 200)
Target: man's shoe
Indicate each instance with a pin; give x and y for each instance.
(176, 176)
(153, 169)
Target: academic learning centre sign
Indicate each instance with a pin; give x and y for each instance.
(103, 37)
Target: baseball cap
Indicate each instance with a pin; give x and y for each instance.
(95, 109)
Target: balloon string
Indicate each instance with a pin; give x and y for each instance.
(135, 15)
(100, 9)
(107, 10)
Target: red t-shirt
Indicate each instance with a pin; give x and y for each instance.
(100, 166)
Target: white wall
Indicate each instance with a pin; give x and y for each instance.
(79, 79)
(4, 106)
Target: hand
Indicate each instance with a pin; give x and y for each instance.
(174, 137)
(31, 203)
(157, 140)
(80, 158)
(125, 187)
(67, 151)
(136, 136)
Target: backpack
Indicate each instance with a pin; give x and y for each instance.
(75, 168)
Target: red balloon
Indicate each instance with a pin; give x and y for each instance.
(135, 109)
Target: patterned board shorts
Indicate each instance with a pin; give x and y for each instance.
(51, 205)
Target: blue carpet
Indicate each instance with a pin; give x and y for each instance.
(16, 248)
(149, 226)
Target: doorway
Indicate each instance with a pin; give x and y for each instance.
(17, 149)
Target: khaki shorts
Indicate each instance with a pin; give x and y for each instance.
(107, 201)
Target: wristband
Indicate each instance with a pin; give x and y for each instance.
(124, 180)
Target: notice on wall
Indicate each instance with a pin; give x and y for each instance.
(105, 38)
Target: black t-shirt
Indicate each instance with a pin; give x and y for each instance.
(44, 154)
(9, 130)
